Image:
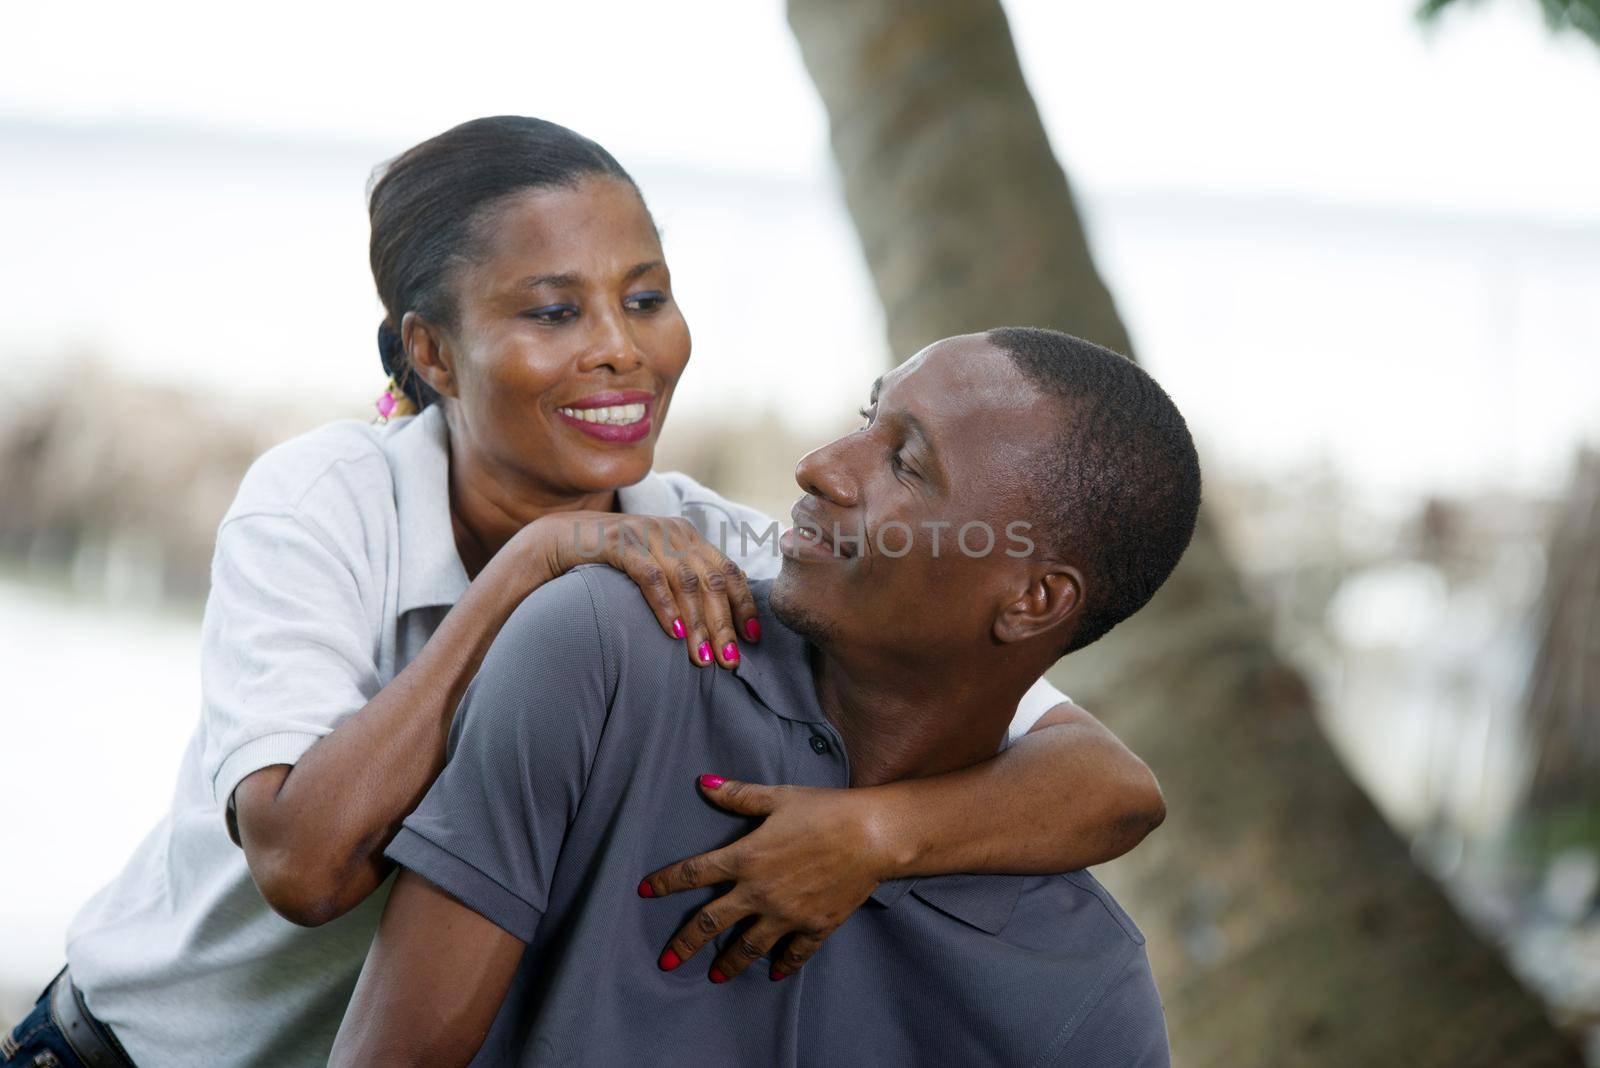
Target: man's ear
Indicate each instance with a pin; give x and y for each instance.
(430, 357)
(1052, 597)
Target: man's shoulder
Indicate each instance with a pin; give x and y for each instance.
(618, 604)
(1072, 920)
(590, 597)
(1087, 886)
(1114, 1014)
(554, 656)
(600, 601)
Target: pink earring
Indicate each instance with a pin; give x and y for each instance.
(386, 403)
(392, 402)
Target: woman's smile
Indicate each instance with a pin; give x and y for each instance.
(615, 415)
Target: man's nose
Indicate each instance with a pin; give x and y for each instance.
(824, 473)
(613, 345)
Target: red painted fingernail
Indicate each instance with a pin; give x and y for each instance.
(730, 653)
(752, 629)
(717, 976)
(669, 960)
(705, 652)
(776, 976)
(711, 782)
(677, 628)
(644, 889)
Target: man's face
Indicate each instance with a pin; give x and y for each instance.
(924, 522)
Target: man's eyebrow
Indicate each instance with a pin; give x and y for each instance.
(877, 384)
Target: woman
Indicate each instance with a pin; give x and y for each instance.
(363, 570)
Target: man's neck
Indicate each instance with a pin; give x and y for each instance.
(906, 721)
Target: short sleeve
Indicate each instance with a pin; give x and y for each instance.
(492, 826)
(287, 651)
(1040, 698)
(1126, 1027)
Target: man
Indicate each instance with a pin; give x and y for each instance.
(1012, 497)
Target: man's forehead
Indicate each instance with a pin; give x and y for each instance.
(959, 377)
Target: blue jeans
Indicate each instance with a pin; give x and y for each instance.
(37, 1042)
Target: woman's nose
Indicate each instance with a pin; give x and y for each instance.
(614, 347)
(823, 473)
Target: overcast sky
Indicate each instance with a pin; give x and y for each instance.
(1348, 101)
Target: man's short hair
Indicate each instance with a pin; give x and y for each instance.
(1118, 490)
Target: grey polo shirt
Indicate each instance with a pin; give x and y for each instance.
(571, 776)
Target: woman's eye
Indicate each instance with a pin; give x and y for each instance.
(865, 412)
(555, 313)
(645, 301)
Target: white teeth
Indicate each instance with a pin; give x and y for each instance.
(809, 535)
(616, 415)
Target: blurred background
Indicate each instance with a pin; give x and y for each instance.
(1359, 248)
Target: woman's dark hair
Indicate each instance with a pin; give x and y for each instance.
(423, 205)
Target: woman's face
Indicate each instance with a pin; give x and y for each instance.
(568, 342)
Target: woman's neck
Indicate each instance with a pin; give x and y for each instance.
(485, 512)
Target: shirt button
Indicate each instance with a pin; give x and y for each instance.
(819, 744)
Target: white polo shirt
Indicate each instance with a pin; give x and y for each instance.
(333, 566)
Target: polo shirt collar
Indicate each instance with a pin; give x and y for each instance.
(777, 668)
(431, 572)
(982, 901)
(649, 496)
(770, 669)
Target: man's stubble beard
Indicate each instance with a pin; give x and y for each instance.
(797, 616)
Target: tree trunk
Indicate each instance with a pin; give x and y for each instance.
(1563, 711)
(1286, 921)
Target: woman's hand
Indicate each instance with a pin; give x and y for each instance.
(698, 595)
(813, 861)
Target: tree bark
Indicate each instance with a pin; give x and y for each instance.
(1563, 711)
(1286, 921)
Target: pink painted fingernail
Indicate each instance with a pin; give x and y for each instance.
(712, 782)
(752, 629)
(669, 960)
(730, 653)
(776, 976)
(677, 628)
(704, 652)
(717, 976)
(644, 889)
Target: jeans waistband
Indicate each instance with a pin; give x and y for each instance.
(90, 1039)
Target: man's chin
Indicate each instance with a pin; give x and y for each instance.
(795, 602)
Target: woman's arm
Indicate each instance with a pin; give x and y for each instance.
(1066, 795)
(314, 832)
